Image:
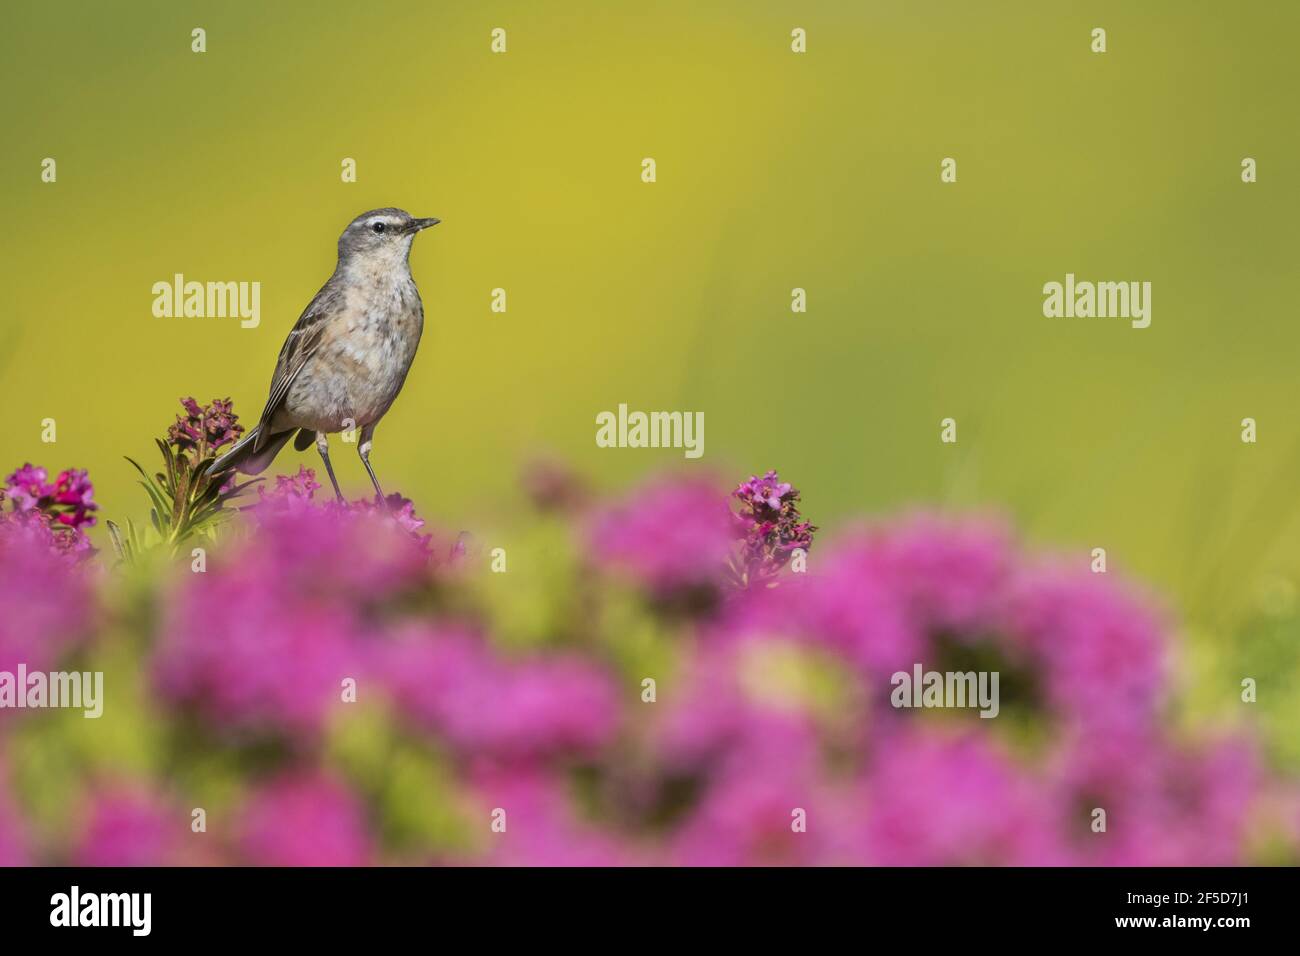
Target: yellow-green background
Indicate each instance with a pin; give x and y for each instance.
(775, 170)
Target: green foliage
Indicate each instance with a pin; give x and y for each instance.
(186, 501)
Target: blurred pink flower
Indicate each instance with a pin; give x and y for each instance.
(295, 495)
(950, 575)
(719, 722)
(669, 534)
(28, 486)
(843, 604)
(67, 501)
(934, 799)
(760, 818)
(131, 827)
(753, 786)
(47, 600)
(394, 508)
(774, 707)
(292, 494)
(264, 638)
(541, 828)
(1166, 804)
(553, 486)
(304, 819)
(740, 754)
(881, 595)
(1098, 651)
(889, 598)
(456, 686)
(253, 661)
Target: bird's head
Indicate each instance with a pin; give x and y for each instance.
(380, 237)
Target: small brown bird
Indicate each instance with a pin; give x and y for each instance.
(346, 358)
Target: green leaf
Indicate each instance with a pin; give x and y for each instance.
(171, 467)
(156, 496)
(119, 545)
(137, 467)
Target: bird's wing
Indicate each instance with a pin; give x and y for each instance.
(302, 341)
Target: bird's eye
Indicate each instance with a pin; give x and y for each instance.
(378, 227)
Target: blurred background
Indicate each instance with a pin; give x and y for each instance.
(775, 170)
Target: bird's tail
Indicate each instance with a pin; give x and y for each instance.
(247, 458)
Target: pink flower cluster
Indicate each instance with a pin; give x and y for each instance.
(55, 510)
(293, 818)
(675, 535)
(755, 728)
(671, 534)
(46, 595)
(483, 704)
(294, 496)
(260, 642)
(771, 528)
(1083, 664)
(204, 428)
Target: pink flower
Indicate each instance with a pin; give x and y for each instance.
(74, 491)
(843, 603)
(252, 661)
(882, 595)
(47, 600)
(764, 819)
(950, 574)
(262, 641)
(670, 534)
(1098, 651)
(132, 827)
(768, 492)
(27, 487)
(294, 495)
(205, 428)
(454, 685)
(769, 526)
(918, 592)
(394, 508)
(739, 773)
(38, 530)
(540, 826)
(931, 799)
(772, 741)
(763, 795)
(304, 819)
(68, 501)
(734, 709)
(1165, 804)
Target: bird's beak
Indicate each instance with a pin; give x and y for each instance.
(418, 224)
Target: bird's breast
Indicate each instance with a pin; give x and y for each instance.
(363, 357)
(384, 320)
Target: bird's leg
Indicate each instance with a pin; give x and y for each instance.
(363, 449)
(322, 446)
